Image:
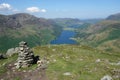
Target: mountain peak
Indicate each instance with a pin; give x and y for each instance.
(17, 20)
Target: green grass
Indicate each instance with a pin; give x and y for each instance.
(78, 60)
(5, 62)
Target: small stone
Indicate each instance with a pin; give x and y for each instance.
(22, 43)
(21, 48)
(17, 66)
(24, 71)
(13, 70)
(67, 74)
(98, 60)
(81, 59)
(54, 60)
(53, 49)
(118, 63)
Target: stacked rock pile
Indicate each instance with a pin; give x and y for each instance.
(25, 56)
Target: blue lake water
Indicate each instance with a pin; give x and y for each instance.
(64, 38)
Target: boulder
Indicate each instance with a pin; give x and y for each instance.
(12, 51)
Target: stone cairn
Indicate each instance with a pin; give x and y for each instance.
(25, 56)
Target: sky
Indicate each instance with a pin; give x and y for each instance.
(83, 9)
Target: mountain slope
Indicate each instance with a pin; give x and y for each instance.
(104, 35)
(114, 17)
(22, 26)
(68, 22)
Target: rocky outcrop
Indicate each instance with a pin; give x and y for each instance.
(25, 56)
(12, 51)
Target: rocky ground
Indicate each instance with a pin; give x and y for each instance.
(22, 68)
(18, 74)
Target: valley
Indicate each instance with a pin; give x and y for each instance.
(22, 26)
(74, 49)
(64, 38)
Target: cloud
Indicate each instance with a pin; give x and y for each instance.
(35, 9)
(43, 10)
(5, 6)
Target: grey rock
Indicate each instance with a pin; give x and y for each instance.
(107, 77)
(117, 64)
(17, 65)
(116, 74)
(67, 74)
(22, 44)
(42, 63)
(98, 60)
(12, 51)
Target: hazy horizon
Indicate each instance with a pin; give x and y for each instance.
(82, 9)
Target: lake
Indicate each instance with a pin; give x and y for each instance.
(64, 38)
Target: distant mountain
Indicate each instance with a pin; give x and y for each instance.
(114, 17)
(91, 21)
(104, 35)
(22, 26)
(68, 22)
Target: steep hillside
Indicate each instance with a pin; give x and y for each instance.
(104, 35)
(114, 17)
(22, 26)
(65, 62)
